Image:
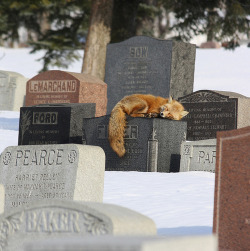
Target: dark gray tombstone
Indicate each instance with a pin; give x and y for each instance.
(53, 123)
(210, 111)
(152, 144)
(147, 65)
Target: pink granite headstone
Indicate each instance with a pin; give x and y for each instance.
(232, 190)
(67, 87)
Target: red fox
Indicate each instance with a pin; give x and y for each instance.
(140, 105)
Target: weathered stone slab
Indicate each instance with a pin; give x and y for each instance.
(48, 172)
(12, 90)
(198, 155)
(2, 198)
(152, 144)
(70, 219)
(126, 243)
(67, 87)
(232, 189)
(147, 65)
(212, 111)
(53, 123)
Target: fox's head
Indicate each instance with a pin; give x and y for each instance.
(173, 110)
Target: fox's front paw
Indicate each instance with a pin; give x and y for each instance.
(153, 115)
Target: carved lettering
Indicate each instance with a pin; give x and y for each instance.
(138, 52)
(45, 118)
(207, 157)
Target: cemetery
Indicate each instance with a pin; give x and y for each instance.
(52, 181)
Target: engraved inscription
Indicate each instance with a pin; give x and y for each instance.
(45, 118)
(138, 52)
(206, 157)
(131, 132)
(52, 86)
(52, 221)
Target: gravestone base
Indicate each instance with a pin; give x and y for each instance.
(152, 144)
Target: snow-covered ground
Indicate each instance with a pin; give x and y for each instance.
(179, 203)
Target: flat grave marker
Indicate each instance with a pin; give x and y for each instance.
(12, 90)
(198, 155)
(212, 111)
(67, 87)
(147, 65)
(232, 188)
(70, 219)
(48, 172)
(53, 123)
(152, 144)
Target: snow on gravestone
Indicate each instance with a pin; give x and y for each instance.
(232, 188)
(67, 87)
(152, 144)
(69, 219)
(12, 90)
(147, 65)
(48, 172)
(53, 123)
(212, 111)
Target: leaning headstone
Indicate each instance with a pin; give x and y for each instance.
(198, 155)
(67, 87)
(70, 219)
(125, 243)
(147, 65)
(12, 90)
(232, 189)
(152, 144)
(53, 123)
(212, 111)
(48, 172)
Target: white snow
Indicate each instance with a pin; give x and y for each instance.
(179, 203)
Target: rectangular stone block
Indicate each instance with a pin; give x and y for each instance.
(232, 188)
(152, 144)
(212, 111)
(12, 90)
(48, 172)
(67, 87)
(147, 65)
(127, 243)
(198, 155)
(53, 123)
(70, 219)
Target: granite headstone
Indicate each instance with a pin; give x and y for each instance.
(2, 200)
(12, 90)
(69, 219)
(198, 155)
(126, 243)
(147, 65)
(53, 123)
(232, 189)
(152, 144)
(48, 172)
(212, 111)
(67, 87)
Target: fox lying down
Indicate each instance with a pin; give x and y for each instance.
(140, 105)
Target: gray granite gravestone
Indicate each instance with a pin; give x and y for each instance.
(2, 198)
(126, 243)
(147, 65)
(48, 172)
(152, 144)
(212, 111)
(198, 155)
(12, 90)
(68, 219)
(53, 123)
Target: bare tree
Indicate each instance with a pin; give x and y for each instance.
(98, 38)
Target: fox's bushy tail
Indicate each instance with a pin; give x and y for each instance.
(117, 124)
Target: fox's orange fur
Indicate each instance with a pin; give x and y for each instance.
(140, 105)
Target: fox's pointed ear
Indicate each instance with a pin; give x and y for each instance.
(170, 100)
(184, 113)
